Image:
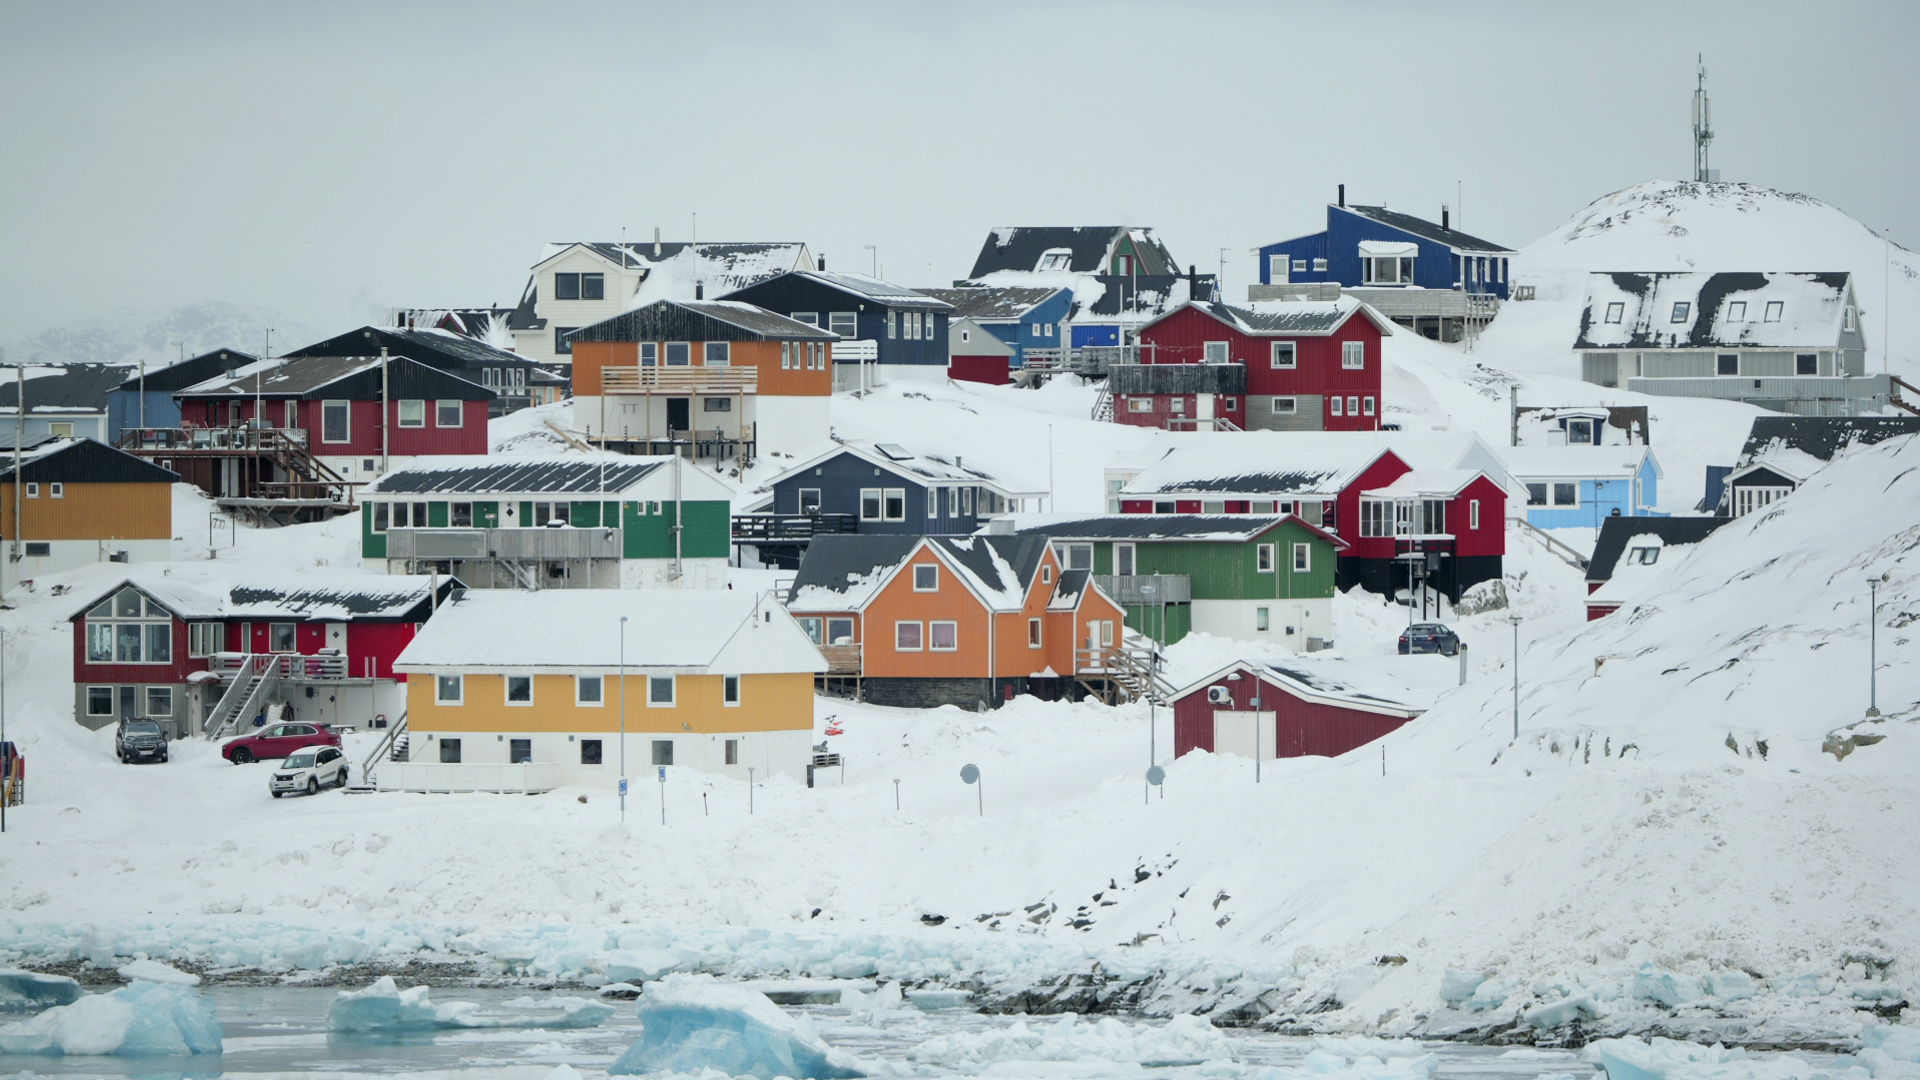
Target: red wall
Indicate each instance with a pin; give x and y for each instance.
(156, 674)
(380, 640)
(1385, 470)
(1301, 728)
(981, 369)
(1491, 537)
(1180, 339)
(363, 427)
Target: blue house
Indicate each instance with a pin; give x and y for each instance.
(1579, 487)
(875, 489)
(124, 408)
(1122, 276)
(1024, 317)
(1374, 247)
(877, 322)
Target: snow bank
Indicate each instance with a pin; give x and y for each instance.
(384, 1007)
(30, 991)
(1184, 1040)
(693, 1023)
(143, 1019)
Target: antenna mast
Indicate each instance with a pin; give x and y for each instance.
(1702, 126)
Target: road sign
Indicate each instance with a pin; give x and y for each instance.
(970, 773)
(623, 786)
(663, 774)
(1155, 775)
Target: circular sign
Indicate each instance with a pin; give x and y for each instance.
(1155, 775)
(970, 773)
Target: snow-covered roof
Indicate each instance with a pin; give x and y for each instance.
(82, 460)
(843, 573)
(290, 597)
(551, 473)
(1821, 437)
(1427, 482)
(1201, 528)
(1022, 248)
(1426, 230)
(990, 303)
(689, 631)
(1619, 536)
(669, 320)
(672, 266)
(1577, 462)
(872, 288)
(920, 464)
(1403, 686)
(65, 387)
(1721, 310)
(1288, 318)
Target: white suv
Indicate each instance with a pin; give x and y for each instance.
(309, 770)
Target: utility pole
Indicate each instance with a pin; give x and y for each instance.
(623, 719)
(1873, 647)
(1515, 619)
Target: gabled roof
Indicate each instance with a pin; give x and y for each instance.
(1577, 462)
(918, 464)
(546, 475)
(80, 461)
(73, 387)
(1287, 466)
(1427, 482)
(1616, 532)
(1810, 313)
(357, 376)
(1067, 589)
(995, 303)
(1389, 686)
(845, 572)
(434, 347)
(1424, 229)
(1821, 436)
(1287, 318)
(1020, 248)
(1204, 528)
(720, 265)
(861, 286)
(291, 597)
(701, 320)
(186, 372)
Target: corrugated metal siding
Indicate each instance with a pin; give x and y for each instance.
(1309, 413)
(1182, 337)
(92, 512)
(650, 536)
(1300, 728)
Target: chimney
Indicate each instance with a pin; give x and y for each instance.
(1343, 195)
(1193, 282)
(656, 241)
(699, 291)
(1443, 216)
(823, 264)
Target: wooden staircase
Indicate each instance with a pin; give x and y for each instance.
(1898, 402)
(1118, 674)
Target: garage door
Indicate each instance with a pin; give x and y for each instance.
(1233, 733)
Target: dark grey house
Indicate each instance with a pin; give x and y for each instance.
(1781, 452)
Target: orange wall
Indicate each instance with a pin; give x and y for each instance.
(897, 601)
(590, 356)
(93, 512)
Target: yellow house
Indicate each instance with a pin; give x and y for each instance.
(717, 680)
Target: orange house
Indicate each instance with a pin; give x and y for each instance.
(734, 378)
(923, 621)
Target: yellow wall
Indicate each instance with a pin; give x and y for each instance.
(777, 702)
(93, 512)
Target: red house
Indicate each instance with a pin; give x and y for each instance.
(1278, 365)
(198, 654)
(1304, 706)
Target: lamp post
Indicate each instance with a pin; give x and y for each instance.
(1515, 620)
(876, 257)
(1873, 660)
(623, 719)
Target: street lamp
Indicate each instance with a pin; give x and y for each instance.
(623, 719)
(1515, 620)
(1873, 633)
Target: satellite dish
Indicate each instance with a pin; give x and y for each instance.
(1155, 775)
(970, 773)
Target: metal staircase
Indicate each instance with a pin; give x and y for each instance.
(392, 747)
(1103, 405)
(252, 683)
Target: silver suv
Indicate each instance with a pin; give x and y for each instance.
(308, 771)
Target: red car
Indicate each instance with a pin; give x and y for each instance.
(276, 741)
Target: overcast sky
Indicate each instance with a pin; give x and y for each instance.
(325, 159)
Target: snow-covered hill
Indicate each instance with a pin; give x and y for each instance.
(130, 335)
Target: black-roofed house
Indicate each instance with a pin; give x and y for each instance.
(79, 502)
(67, 401)
(876, 489)
(1022, 316)
(1272, 365)
(1782, 452)
(1789, 342)
(884, 330)
(209, 654)
(510, 376)
(921, 622)
(1630, 552)
(1431, 278)
(1120, 277)
(579, 284)
(1263, 578)
(145, 399)
(562, 521)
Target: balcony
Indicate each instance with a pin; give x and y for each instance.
(842, 659)
(296, 667)
(1128, 379)
(1868, 391)
(1130, 589)
(531, 544)
(790, 528)
(680, 380)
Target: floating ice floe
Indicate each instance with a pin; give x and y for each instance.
(142, 1019)
(1183, 1040)
(1358, 1057)
(156, 972)
(1667, 1059)
(30, 991)
(693, 1022)
(384, 1007)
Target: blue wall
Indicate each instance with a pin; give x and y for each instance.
(791, 293)
(840, 479)
(1434, 265)
(123, 411)
(1599, 499)
(1020, 335)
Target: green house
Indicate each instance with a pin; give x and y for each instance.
(572, 521)
(1266, 578)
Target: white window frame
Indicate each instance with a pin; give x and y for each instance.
(935, 623)
(1129, 556)
(440, 689)
(197, 644)
(1339, 404)
(113, 700)
(1277, 269)
(1846, 318)
(1553, 493)
(1036, 634)
(1141, 404)
(419, 413)
(1262, 620)
(1366, 406)
(1473, 513)
(1302, 558)
(933, 502)
(506, 692)
(1299, 266)
(879, 504)
(56, 490)
(1215, 352)
(1286, 406)
(440, 407)
(725, 357)
(888, 495)
(1283, 355)
(600, 689)
(148, 696)
(1319, 266)
(1264, 556)
(919, 635)
(933, 575)
(1353, 355)
(673, 691)
(729, 691)
(346, 407)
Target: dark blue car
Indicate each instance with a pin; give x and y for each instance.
(1429, 637)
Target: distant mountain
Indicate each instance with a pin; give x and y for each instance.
(128, 335)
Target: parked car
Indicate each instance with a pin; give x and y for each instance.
(276, 741)
(139, 739)
(1429, 637)
(309, 770)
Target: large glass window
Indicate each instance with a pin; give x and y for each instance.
(127, 628)
(587, 690)
(844, 323)
(679, 354)
(280, 637)
(335, 422)
(413, 413)
(943, 636)
(719, 354)
(907, 637)
(660, 691)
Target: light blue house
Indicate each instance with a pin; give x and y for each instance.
(1024, 317)
(1578, 487)
(129, 407)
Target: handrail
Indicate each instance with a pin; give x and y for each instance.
(711, 380)
(382, 748)
(1571, 557)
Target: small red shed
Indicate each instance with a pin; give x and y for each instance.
(1305, 706)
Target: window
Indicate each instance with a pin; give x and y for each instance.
(519, 751)
(839, 631)
(1260, 620)
(588, 690)
(933, 501)
(1056, 259)
(1536, 494)
(37, 549)
(1319, 266)
(733, 751)
(545, 514)
(1299, 266)
(1846, 319)
(1178, 405)
(1774, 310)
(649, 354)
(1263, 558)
(926, 578)
(204, 639)
(1805, 363)
(1285, 406)
(729, 689)
(1125, 559)
(563, 340)
(99, 701)
(1644, 556)
(446, 413)
(811, 624)
(60, 429)
(1473, 513)
(519, 689)
(33, 491)
(1046, 575)
(890, 317)
(1353, 354)
(1366, 406)
(1074, 556)
(1302, 558)
(335, 426)
(953, 502)
(896, 504)
(413, 413)
(716, 404)
(679, 354)
(869, 504)
(280, 638)
(159, 701)
(719, 353)
(1215, 352)
(844, 323)
(57, 490)
(932, 322)
(663, 751)
(579, 286)
(1616, 311)
(1140, 405)
(449, 751)
(1681, 309)
(1283, 354)
(1353, 406)
(1727, 363)
(786, 355)
(461, 516)
(1737, 311)
(1566, 494)
(1033, 633)
(906, 637)
(660, 691)
(449, 690)
(1376, 517)
(1335, 406)
(590, 752)
(943, 636)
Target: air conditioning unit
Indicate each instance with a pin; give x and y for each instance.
(1219, 695)
(119, 556)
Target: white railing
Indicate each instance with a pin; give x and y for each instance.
(679, 380)
(527, 778)
(285, 665)
(861, 351)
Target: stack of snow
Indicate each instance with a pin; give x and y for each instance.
(146, 1018)
(694, 1023)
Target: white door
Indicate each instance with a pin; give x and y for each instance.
(1277, 269)
(1234, 732)
(1203, 409)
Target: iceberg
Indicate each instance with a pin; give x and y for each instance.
(1666, 987)
(1457, 986)
(1731, 985)
(1490, 995)
(693, 1023)
(142, 1019)
(1666, 1059)
(1184, 1040)
(1564, 1011)
(575, 1013)
(384, 1007)
(157, 972)
(640, 965)
(30, 991)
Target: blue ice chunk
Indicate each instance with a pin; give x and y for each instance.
(1666, 987)
(693, 1023)
(1457, 986)
(30, 991)
(384, 1007)
(1490, 995)
(1809, 985)
(142, 1019)
(1898, 1043)
(1731, 985)
(1564, 1011)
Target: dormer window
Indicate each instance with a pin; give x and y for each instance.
(1056, 259)
(1616, 311)
(1681, 309)
(1774, 310)
(1737, 311)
